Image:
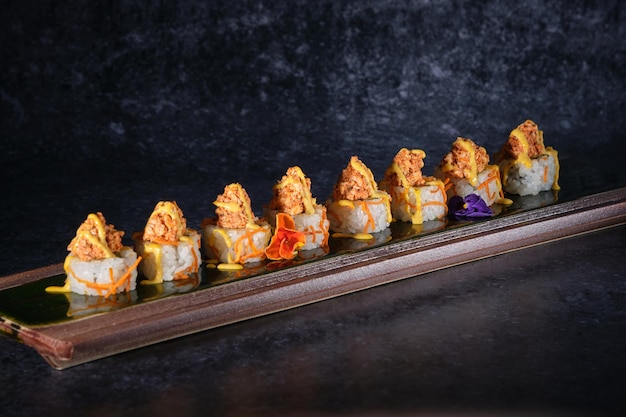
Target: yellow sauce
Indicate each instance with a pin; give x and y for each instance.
(345, 203)
(66, 287)
(154, 250)
(472, 173)
(523, 157)
(234, 207)
(222, 233)
(170, 209)
(229, 267)
(357, 236)
(228, 205)
(417, 217)
(99, 241)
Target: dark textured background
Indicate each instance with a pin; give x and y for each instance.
(169, 85)
(116, 105)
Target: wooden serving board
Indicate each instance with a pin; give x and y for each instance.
(77, 329)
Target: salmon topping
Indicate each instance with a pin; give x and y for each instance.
(406, 169)
(355, 182)
(234, 209)
(292, 195)
(166, 224)
(525, 140)
(95, 239)
(465, 159)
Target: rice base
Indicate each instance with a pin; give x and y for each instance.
(520, 179)
(315, 226)
(102, 277)
(236, 246)
(419, 204)
(488, 187)
(166, 262)
(361, 216)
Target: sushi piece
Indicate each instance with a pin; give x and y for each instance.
(466, 170)
(357, 206)
(169, 249)
(98, 263)
(236, 236)
(528, 167)
(292, 196)
(414, 198)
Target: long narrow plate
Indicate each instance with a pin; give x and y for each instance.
(68, 330)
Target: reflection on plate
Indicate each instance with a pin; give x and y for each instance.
(530, 202)
(342, 244)
(165, 289)
(406, 229)
(84, 305)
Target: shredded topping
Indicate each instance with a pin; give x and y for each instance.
(95, 239)
(166, 224)
(234, 210)
(465, 160)
(356, 182)
(406, 169)
(525, 141)
(292, 195)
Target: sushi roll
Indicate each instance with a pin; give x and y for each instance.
(357, 207)
(528, 167)
(236, 236)
(292, 196)
(466, 170)
(414, 198)
(98, 263)
(169, 249)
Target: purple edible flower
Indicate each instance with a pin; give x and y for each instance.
(468, 208)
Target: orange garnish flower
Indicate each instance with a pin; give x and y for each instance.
(286, 240)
